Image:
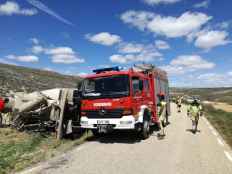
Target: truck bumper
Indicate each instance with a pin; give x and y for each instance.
(126, 122)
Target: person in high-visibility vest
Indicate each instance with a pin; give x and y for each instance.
(179, 103)
(194, 111)
(162, 106)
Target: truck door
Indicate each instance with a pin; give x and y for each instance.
(137, 93)
(147, 94)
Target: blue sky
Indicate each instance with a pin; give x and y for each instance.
(190, 39)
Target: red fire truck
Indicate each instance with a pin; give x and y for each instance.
(123, 99)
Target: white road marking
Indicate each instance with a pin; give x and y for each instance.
(215, 133)
(220, 142)
(228, 155)
(32, 170)
(211, 128)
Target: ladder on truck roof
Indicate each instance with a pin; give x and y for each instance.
(149, 68)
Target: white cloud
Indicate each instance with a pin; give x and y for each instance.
(168, 26)
(162, 45)
(135, 52)
(180, 26)
(37, 49)
(131, 48)
(225, 24)
(139, 19)
(117, 58)
(130, 58)
(156, 2)
(66, 58)
(12, 8)
(34, 40)
(210, 77)
(203, 4)
(192, 62)
(173, 70)
(64, 55)
(104, 38)
(26, 58)
(230, 73)
(187, 63)
(209, 39)
(47, 10)
(60, 50)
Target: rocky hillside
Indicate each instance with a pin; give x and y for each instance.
(18, 78)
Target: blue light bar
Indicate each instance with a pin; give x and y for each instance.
(116, 68)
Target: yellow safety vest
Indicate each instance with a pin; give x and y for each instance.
(194, 110)
(162, 109)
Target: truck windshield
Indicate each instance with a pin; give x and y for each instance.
(112, 86)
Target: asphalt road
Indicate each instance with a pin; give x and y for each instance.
(181, 152)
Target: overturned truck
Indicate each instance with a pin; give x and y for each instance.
(54, 110)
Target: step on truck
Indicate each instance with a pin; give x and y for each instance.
(112, 98)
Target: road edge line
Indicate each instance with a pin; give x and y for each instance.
(228, 155)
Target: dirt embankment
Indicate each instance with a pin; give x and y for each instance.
(219, 105)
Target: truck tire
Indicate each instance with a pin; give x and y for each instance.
(145, 133)
(96, 133)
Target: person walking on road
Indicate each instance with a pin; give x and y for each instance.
(194, 111)
(162, 106)
(179, 103)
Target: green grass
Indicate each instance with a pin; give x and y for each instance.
(221, 120)
(21, 150)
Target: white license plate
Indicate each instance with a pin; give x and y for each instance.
(103, 122)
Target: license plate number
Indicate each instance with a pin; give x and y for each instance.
(103, 122)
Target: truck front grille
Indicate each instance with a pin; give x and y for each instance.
(103, 113)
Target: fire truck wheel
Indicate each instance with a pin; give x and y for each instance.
(145, 133)
(96, 133)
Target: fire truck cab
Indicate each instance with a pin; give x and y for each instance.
(123, 99)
